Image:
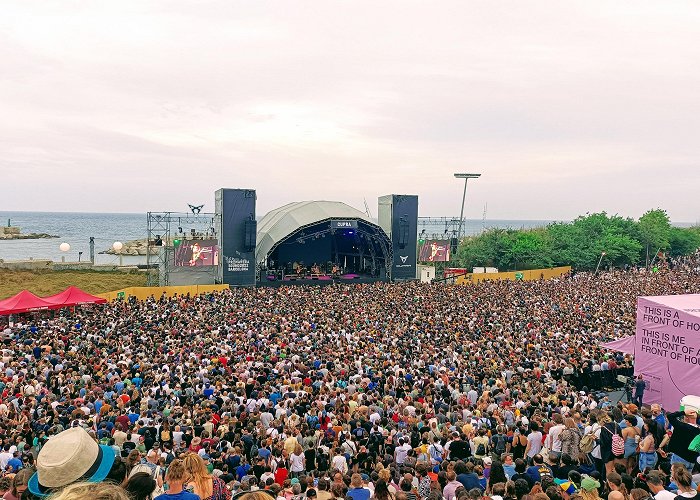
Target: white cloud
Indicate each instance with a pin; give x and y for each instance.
(566, 107)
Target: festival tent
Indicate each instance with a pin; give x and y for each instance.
(73, 296)
(625, 345)
(24, 301)
(667, 347)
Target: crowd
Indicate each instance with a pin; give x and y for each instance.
(390, 391)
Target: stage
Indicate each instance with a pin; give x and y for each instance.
(318, 280)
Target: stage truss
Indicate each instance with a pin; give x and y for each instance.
(438, 228)
(163, 228)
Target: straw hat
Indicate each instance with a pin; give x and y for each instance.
(69, 457)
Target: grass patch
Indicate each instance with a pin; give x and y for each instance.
(43, 283)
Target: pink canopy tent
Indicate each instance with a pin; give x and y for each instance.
(625, 345)
(73, 296)
(24, 301)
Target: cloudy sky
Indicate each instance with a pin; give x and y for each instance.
(564, 106)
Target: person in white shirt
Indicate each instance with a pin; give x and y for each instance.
(177, 437)
(594, 430)
(553, 441)
(656, 486)
(534, 441)
(297, 461)
(401, 452)
(5, 457)
(339, 463)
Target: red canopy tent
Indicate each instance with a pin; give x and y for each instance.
(73, 296)
(24, 301)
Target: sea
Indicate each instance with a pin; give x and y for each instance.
(77, 228)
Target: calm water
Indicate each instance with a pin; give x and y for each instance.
(76, 229)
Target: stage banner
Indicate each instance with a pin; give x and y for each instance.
(435, 251)
(667, 348)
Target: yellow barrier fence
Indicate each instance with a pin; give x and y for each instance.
(530, 275)
(144, 292)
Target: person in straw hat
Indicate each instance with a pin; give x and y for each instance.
(70, 457)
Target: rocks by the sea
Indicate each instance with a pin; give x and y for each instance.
(133, 247)
(14, 233)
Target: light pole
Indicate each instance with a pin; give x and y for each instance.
(117, 247)
(602, 254)
(64, 247)
(466, 177)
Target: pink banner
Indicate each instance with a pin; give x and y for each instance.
(667, 348)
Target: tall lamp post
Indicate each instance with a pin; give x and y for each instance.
(117, 247)
(602, 254)
(466, 178)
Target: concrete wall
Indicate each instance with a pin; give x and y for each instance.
(27, 265)
(49, 265)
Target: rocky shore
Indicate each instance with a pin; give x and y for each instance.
(133, 247)
(14, 233)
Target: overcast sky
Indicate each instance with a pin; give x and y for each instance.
(564, 107)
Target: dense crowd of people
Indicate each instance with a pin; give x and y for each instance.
(390, 391)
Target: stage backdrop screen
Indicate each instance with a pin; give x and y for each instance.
(435, 251)
(194, 253)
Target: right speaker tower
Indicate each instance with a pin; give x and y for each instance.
(398, 217)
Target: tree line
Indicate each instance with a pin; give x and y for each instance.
(580, 243)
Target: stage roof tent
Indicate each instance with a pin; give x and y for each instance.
(281, 222)
(73, 296)
(24, 301)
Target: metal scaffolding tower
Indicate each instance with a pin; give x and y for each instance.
(164, 228)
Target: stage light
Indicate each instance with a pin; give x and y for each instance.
(176, 243)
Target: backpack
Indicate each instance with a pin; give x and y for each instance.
(500, 444)
(375, 439)
(481, 449)
(618, 443)
(165, 435)
(322, 462)
(254, 451)
(587, 443)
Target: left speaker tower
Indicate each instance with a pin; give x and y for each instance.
(237, 236)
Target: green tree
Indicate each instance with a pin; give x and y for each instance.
(620, 250)
(526, 250)
(683, 241)
(654, 231)
(579, 243)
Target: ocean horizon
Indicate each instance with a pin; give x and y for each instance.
(76, 228)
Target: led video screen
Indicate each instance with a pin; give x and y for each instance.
(194, 253)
